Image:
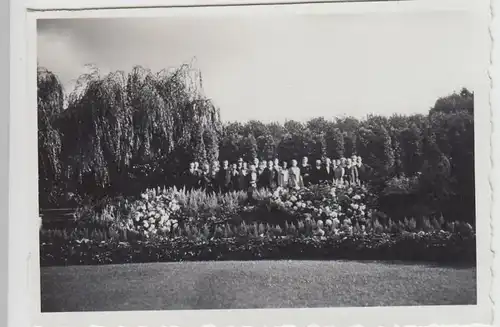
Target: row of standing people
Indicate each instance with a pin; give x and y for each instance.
(273, 173)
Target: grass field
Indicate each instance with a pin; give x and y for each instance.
(256, 284)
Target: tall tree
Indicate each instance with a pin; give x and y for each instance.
(266, 147)
(50, 105)
(334, 143)
(249, 148)
(411, 149)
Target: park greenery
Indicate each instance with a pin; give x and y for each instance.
(116, 146)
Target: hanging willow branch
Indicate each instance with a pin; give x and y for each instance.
(97, 127)
(116, 122)
(50, 105)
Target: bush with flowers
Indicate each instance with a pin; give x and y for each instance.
(337, 205)
(357, 202)
(155, 212)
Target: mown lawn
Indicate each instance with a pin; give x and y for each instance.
(254, 284)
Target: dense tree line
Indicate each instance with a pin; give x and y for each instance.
(124, 132)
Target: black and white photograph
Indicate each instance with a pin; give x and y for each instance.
(289, 159)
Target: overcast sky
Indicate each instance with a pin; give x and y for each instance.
(291, 67)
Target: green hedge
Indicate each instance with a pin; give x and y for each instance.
(439, 247)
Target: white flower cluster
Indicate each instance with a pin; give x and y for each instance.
(305, 203)
(154, 212)
(357, 206)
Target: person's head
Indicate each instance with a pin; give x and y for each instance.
(245, 165)
(284, 163)
(240, 162)
(318, 163)
(270, 164)
(276, 162)
(359, 161)
(225, 164)
(191, 165)
(206, 167)
(253, 167)
(196, 165)
(328, 162)
(349, 162)
(354, 157)
(263, 164)
(235, 166)
(304, 161)
(338, 162)
(294, 163)
(256, 162)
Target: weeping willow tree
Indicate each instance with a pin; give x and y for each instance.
(152, 126)
(196, 121)
(97, 130)
(50, 105)
(121, 131)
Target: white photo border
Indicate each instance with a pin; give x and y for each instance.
(23, 262)
(4, 150)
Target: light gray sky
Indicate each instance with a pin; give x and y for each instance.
(292, 67)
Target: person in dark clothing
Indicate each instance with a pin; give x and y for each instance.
(213, 185)
(260, 170)
(191, 177)
(269, 177)
(316, 176)
(305, 171)
(363, 170)
(197, 175)
(224, 177)
(240, 164)
(242, 173)
(205, 178)
(235, 175)
(327, 171)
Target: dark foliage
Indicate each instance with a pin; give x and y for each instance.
(439, 247)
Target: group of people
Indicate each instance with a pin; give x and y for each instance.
(271, 174)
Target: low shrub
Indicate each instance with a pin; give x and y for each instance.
(442, 247)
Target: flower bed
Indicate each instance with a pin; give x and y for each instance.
(440, 247)
(321, 222)
(334, 205)
(160, 212)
